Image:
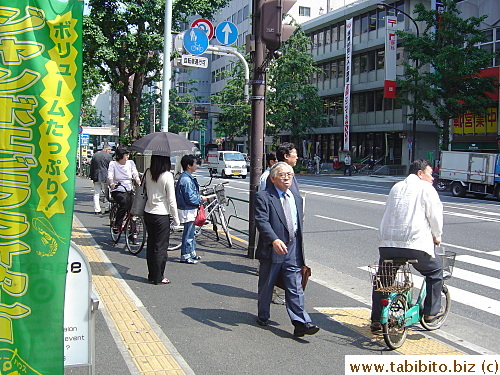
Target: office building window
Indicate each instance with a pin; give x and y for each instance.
(328, 36)
(305, 11)
(335, 34)
(240, 16)
(246, 13)
(372, 20)
(492, 44)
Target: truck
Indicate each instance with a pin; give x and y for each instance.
(471, 172)
(226, 163)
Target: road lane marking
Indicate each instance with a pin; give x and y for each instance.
(346, 222)
(479, 261)
(490, 282)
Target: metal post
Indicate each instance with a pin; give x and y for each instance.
(257, 123)
(121, 115)
(167, 68)
(414, 120)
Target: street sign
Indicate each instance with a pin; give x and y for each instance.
(205, 25)
(194, 61)
(195, 41)
(226, 33)
(84, 140)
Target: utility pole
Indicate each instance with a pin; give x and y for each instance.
(268, 33)
(257, 121)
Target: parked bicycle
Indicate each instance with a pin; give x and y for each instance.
(394, 277)
(132, 225)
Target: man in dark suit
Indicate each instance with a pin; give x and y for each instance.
(99, 174)
(280, 250)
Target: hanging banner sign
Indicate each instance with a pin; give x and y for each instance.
(40, 95)
(391, 43)
(347, 87)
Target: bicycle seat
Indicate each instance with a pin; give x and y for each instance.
(400, 261)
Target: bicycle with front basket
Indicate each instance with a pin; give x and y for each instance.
(133, 226)
(399, 310)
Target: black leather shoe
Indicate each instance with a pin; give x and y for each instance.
(261, 322)
(305, 329)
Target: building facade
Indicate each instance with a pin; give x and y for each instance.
(378, 126)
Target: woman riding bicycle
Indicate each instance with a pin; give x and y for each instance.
(120, 175)
(411, 226)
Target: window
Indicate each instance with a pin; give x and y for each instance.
(371, 61)
(364, 23)
(355, 65)
(372, 20)
(327, 36)
(245, 12)
(341, 68)
(379, 100)
(363, 61)
(381, 18)
(341, 31)
(492, 44)
(362, 102)
(333, 70)
(335, 34)
(233, 18)
(370, 101)
(356, 26)
(326, 71)
(380, 59)
(240, 16)
(320, 38)
(305, 11)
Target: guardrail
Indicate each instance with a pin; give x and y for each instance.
(236, 216)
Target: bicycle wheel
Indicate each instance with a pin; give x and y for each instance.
(112, 217)
(446, 302)
(395, 330)
(135, 234)
(225, 226)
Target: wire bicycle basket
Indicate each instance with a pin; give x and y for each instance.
(391, 278)
(448, 259)
(221, 193)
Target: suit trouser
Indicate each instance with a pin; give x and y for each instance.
(294, 294)
(431, 268)
(98, 187)
(158, 228)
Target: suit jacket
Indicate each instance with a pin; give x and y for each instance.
(271, 223)
(99, 166)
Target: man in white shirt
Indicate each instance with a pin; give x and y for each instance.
(412, 225)
(271, 160)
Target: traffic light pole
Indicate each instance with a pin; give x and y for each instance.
(257, 123)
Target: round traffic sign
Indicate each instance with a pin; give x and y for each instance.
(226, 33)
(195, 41)
(205, 25)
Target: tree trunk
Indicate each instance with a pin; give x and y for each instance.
(134, 100)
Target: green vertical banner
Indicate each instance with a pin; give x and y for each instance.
(40, 95)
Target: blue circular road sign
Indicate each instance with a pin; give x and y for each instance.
(226, 33)
(195, 41)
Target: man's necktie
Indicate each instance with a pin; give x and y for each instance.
(288, 216)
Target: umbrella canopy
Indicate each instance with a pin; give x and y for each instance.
(163, 144)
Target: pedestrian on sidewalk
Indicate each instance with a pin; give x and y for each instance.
(280, 250)
(161, 205)
(412, 224)
(270, 160)
(99, 175)
(286, 152)
(187, 192)
(348, 164)
(122, 171)
(317, 162)
(371, 163)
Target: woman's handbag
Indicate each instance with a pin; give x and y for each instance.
(140, 198)
(201, 217)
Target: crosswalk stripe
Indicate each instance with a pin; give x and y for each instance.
(479, 262)
(491, 282)
(467, 298)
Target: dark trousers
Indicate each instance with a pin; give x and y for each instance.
(124, 201)
(158, 228)
(347, 169)
(291, 272)
(431, 268)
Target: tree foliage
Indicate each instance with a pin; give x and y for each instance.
(453, 86)
(124, 40)
(180, 109)
(236, 112)
(293, 103)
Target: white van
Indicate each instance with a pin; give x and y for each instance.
(226, 163)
